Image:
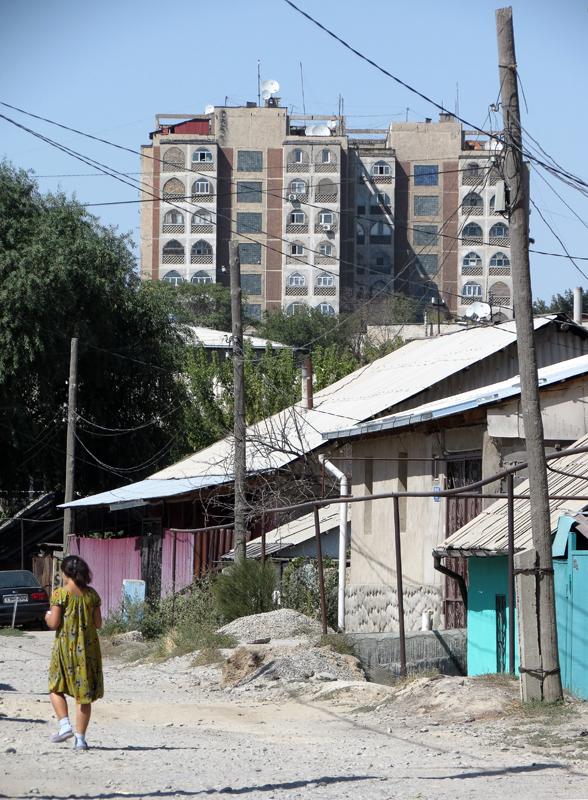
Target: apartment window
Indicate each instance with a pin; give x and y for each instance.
(295, 308)
(472, 260)
(326, 218)
(425, 206)
(201, 248)
(381, 262)
(380, 233)
(326, 309)
(381, 168)
(425, 234)
(296, 279)
(472, 289)
(402, 487)
(202, 187)
(297, 186)
(173, 248)
(297, 218)
(472, 231)
(500, 260)
(201, 278)
(325, 280)
(426, 174)
(428, 263)
(298, 156)
(173, 218)
(359, 234)
(173, 190)
(202, 155)
(251, 284)
(472, 200)
(473, 169)
(380, 203)
(253, 311)
(248, 222)
(297, 249)
(368, 489)
(249, 161)
(250, 253)
(327, 157)
(173, 277)
(249, 191)
(326, 249)
(202, 217)
(500, 230)
(174, 160)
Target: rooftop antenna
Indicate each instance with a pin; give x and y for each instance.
(258, 82)
(302, 85)
(457, 99)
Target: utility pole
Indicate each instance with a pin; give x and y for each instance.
(70, 459)
(240, 465)
(541, 679)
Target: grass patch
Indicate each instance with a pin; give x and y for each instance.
(552, 713)
(188, 637)
(498, 679)
(11, 632)
(337, 642)
(412, 676)
(208, 656)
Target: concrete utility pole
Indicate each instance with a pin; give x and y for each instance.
(240, 465)
(540, 680)
(72, 402)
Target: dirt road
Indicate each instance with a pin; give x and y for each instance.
(168, 731)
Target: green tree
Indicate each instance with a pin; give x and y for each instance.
(206, 305)
(64, 274)
(564, 303)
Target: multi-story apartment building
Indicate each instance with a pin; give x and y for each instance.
(324, 216)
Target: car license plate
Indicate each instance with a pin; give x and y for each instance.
(16, 598)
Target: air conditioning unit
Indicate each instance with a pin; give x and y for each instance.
(326, 227)
(292, 197)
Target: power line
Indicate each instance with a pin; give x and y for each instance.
(566, 251)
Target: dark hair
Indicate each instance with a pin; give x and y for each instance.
(76, 568)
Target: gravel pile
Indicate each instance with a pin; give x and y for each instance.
(281, 624)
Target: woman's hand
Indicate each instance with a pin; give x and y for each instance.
(53, 618)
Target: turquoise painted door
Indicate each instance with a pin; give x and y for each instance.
(577, 678)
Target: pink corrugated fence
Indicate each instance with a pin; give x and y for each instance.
(184, 561)
(111, 562)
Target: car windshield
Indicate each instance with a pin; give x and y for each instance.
(17, 578)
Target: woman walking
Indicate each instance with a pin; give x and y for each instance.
(76, 662)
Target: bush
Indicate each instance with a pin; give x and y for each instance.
(300, 588)
(244, 588)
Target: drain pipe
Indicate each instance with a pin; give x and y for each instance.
(343, 491)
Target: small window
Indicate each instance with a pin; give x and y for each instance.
(325, 280)
(472, 289)
(249, 192)
(472, 231)
(425, 235)
(201, 248)
(500, 260)
(296, 249)
(295, 308)
(298, 156)
(500, 230)
(202, 217)
(381, 168)
(251, 284)
(202, 186)
(327, 156)
(472, 200)
(253, 311)
(472, 260)
(249, 161)
(297, 186)
(326, 309)
(326, 218)
(425, 206)
(473, 169)
(173, 217)
(173, 277)
(250, 253)
(381, 233)
(359, 234)
(326, 249)
(173, 248)
(380, 203)
(426, 175)
(297, 218)
(248, 222)
(296, 279)
(201, 278)
(202, 155)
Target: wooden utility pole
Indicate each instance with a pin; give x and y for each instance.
(240, 465)
(68, 513)
(541, 679)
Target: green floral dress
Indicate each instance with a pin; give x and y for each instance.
(76, 661)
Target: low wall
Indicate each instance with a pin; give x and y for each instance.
(379, 653)
(374, 609)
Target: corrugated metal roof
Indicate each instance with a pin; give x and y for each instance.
(485, 395)
(487, 534)
(211, 338)
(370, 390)
(147, 490)
(292, 533)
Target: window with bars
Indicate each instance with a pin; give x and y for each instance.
(251, 283)
(426, 206)
(248, 222)
(249, 161)
(472, 289)
(426, 174)
(250, 253)
(249, 192)
(428, 263)
(425, 234)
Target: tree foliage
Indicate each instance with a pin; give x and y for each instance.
(63, 274)
(563, 303)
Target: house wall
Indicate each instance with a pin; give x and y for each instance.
(488, 577)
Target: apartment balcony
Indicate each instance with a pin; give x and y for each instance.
(472, 211)
(172, 228)
(473, 241)
(322, 197)
(296, 228)
(173, 197)
(296, 291)
(325, 260)
(499, 271)
(325, 291)
(206, 258)
(298, 198)
(501, 300)
(382, 178)
(467, 301)
(473, 180)
(203, 166)
(500, 241)
(319, 227)
(173, 258)
(203, 198)
(472, 270)
(326, 168)
(173, 166)
(202, 229)
(295, 166)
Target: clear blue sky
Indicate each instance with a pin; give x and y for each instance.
(108, 67)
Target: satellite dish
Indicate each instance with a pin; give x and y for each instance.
(266, 94)
(479, 310)
(310, 130)
(270, 86)
(209, 109)
(332, 124)
(321, 130)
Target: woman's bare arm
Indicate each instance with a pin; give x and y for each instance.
(97, 618)
(53, 618)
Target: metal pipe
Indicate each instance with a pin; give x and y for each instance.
(578, 305)
(319, 565)
(399, 588)
(456, 577)
(22, 544)
(343, 491)
(511, 587)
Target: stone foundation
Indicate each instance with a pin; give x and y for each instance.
(374, 609)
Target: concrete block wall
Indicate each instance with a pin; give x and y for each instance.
(374, 609)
